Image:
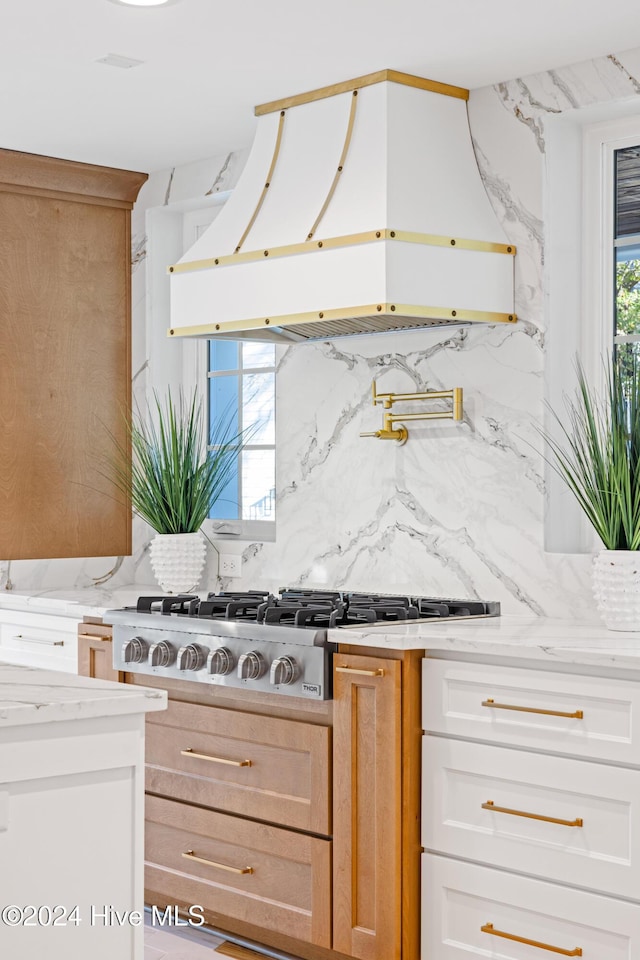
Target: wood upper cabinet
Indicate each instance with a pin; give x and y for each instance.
(65, 314)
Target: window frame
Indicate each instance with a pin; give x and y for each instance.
(578, 279)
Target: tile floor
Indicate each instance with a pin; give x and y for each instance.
(183, 943)
(178, 944)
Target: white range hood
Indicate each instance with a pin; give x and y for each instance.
(360, 209)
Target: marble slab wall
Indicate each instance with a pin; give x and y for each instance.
(459, 509)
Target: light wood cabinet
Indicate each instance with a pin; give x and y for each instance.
(366, 742)
(64, 353)
(95, 652)
(250, 872)
(376, 853)
(266, 768)
(242, 789)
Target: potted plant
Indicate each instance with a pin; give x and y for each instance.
(172, 481)
(598, 456)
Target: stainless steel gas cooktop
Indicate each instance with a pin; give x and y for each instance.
(255, 640)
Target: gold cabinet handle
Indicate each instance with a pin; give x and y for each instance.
(203, 756)
(490, 805)
(92, 636)
(190, 855)
(576, 715)
(363, 673)
(489, 928)
(47, 643)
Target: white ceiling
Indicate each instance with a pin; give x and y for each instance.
(206, 64)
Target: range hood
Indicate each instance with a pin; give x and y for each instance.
(360, 210)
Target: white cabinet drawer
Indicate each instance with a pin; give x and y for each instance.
(596, 844)
(534, 709)
(38, 640)
(465, 908)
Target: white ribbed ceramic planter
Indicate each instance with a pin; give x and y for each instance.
(177, 560)
(616, 587)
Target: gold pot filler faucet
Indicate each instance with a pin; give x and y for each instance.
(392, 429)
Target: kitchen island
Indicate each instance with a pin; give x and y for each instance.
(71, 815)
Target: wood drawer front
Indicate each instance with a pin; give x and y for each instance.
(461, 898)
(39, 641)
(287, 781)
(454, 693)
(603, 853)
(288, 890)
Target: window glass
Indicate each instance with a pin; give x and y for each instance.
(627, 255)
(258, 355)
(258, 486)
(242, 393)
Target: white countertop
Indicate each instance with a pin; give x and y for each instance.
(88, 601)
(526, 638)
(530, 638)
(29, 695)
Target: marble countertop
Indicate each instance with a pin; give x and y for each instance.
(526, 638)
(532, 638)
(88, 601)
(29, 695)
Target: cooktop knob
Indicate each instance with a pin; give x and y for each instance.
(220, 662)
(251, 666)
(283, 670)
(161, 654)
(134, 651)
(190, 657)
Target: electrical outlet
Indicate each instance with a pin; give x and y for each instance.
(230, 565)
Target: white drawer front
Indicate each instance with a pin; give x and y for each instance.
(475, 798)
(39, 641)
(460, 899)
(585, 716)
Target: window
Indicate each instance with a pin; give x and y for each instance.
(586, 244)
(228, 376)
(242, 388)
(626, 326)
(237, 380)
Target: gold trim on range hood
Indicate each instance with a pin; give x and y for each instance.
(214, 316)
(330, 243)
(340, 322)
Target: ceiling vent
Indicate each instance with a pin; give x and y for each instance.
(116, 60)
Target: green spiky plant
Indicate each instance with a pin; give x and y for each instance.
(172, 480)
(598, 455)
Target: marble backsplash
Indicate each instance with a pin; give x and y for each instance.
(459, 509)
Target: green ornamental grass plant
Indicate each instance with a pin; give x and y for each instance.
(598, 455)
(173, 481)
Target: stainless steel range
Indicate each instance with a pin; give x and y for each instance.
(258, 641)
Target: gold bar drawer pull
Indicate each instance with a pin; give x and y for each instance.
(489, 928)
(47, 643)
(490, 805)
(190, 855)
(92, 636)
(576, 715)
(362, 673)
(204, 756)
